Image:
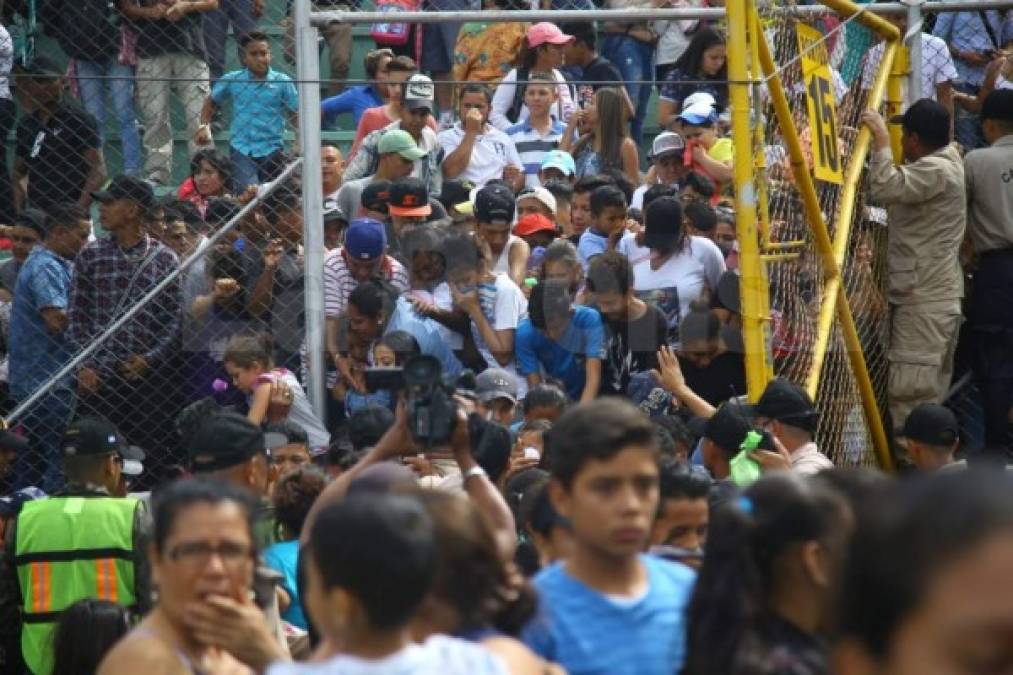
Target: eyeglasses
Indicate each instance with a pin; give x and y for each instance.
(198, 554)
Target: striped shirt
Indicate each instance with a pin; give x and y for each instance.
(532, 146)
(339, 282)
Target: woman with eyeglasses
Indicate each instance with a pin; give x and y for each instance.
(202, 556)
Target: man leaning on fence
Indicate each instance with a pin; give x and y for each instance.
(82, 542)
(37, 338)
(988, 173)
(129, 378)
(925, 198)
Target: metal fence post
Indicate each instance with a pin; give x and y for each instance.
(914, 48)
(308, 72)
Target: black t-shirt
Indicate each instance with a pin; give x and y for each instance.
(55, 153)
(724, 378)
(632, 348)
(85, 29)
(155, 38)
(597, 74)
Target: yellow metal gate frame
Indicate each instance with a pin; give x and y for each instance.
(750, 63)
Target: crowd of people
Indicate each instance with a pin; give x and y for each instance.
(536, 454)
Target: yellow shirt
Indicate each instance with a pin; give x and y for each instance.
(722, 151)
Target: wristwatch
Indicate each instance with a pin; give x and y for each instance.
(473, 472)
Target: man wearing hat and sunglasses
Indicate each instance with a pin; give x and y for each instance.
(85, 541)
(927, 205)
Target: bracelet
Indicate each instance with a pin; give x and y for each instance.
(473, 472)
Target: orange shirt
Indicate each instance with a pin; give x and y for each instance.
(485, 52)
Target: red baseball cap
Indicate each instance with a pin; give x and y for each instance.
(534, 222)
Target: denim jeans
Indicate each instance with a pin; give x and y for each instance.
(967, 127)
(238, 13)
(248, 170)
(635, 61)
(96, 80)
(44, 424)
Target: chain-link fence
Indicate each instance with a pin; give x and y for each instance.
(169, 93)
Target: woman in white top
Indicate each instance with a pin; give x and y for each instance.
(542, 52)
(680, 269)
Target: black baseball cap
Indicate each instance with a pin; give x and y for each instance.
(127, 187)
(787, 402)
(455, 191)
(495, 204)
(728, 427)
(95, 436)
(376, 196)
(927, 118)
(932, 424)
(223, 441)
(998, 105)
(409, 196)
(663, 223)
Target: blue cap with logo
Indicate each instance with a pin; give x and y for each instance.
(365, 239)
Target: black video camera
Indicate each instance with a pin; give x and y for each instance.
(432, 411)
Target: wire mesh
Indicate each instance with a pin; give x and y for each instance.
(797, 271)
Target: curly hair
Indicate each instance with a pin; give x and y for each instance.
(294, 494)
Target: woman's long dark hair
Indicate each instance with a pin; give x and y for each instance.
(746, 537)
(692, 59)
(86, 631)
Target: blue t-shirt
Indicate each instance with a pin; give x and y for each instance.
(355, 100)
(584, 338)
(259, 109)
(591, 244)
(426, 332)
(36, 354)
(283, 558)
(588, 633)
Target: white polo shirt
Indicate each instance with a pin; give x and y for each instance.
(493, 151)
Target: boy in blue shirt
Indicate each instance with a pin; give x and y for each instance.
(608, 220)
(567, 342)
(262, 99)
(608, 608)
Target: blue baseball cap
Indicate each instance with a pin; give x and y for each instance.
(365, 239)
(558, 159)
(699, 109)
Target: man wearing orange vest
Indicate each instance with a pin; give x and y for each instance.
(82, 542)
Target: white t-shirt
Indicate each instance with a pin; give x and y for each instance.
(6, 62)
(685, 275)
(508, 308)
(492, 152)
(937, 67)
(301, 412)
(503, 98)
(672, 35)
(438, 655)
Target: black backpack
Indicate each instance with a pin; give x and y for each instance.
(522, 84)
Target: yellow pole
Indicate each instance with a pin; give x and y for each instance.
(860, 368)
(875, 23)
(849, 192)
(895, 99)
(752, 279)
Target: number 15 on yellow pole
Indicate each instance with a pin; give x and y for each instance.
(819, 93)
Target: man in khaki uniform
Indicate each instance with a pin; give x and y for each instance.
(989, 174)
(925, 199)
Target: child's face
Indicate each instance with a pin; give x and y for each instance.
(244, 378)
(611, 219)
(611, 503)
(580, 212)
(257, 57)
(539, 98)
(384, 357)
